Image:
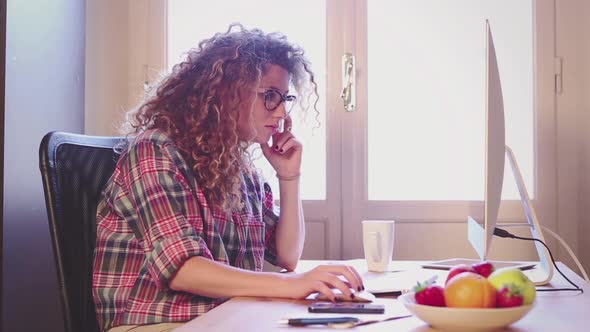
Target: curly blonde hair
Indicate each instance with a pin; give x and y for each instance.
(197, 104)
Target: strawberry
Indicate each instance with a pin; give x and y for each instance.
(483, 268)
(509, 296)
(427, 293)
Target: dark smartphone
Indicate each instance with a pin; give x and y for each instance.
(347, 308)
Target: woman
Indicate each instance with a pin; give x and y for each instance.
(185, 221)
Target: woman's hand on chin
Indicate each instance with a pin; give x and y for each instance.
(285, 153)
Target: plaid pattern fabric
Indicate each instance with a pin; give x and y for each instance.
(152, 218)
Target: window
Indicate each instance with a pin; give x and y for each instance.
(426, 96)
(413, 148)
(189, 24)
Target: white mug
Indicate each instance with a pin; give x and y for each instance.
(378, 239)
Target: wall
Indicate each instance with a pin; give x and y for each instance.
(585, 220)
(584, 118)
(44, 92)
(117, 35)
(2, 90)
(107, 49)
(572, 121)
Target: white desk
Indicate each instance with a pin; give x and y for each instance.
(554, 311)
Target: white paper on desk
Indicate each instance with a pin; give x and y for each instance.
(401, 279)
(388, 282)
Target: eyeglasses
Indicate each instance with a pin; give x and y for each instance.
(273, 99)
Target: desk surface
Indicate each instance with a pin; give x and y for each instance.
(553, 311)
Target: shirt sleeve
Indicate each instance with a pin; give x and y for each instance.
(270, 216)
(168, 220)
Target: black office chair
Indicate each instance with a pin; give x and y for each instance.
(75, 169)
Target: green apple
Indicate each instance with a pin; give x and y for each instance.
(509, 275)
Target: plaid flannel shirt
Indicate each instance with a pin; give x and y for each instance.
(153, 217)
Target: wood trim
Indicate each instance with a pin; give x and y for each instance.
(546, 185)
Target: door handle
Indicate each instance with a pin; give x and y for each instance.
(348, 94)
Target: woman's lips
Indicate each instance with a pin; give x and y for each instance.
(273, 129)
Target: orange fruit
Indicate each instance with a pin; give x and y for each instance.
(470, 290)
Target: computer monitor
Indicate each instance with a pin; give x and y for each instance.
(480, 235)
(494, 154)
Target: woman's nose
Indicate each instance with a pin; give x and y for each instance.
(280, 111)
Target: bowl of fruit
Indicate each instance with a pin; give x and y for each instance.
(470, 301)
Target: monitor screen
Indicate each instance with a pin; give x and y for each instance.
(481, 237)
(480, 233)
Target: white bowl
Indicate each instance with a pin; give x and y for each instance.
(464, 319)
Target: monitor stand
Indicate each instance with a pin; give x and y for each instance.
(477, 235)
(543, 274)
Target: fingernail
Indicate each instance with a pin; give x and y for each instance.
(281, 150)
(352, 296)
(359, 288)
(276, 147)
(363, 287)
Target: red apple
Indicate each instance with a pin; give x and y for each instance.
(483, 268)
(455, 270)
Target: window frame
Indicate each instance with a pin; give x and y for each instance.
(356, 206)
(338, 217)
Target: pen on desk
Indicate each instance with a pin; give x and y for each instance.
(318, 321)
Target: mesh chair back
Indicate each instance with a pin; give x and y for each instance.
(75, 169)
